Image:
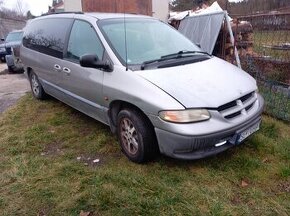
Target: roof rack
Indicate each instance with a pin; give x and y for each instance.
(65, 12)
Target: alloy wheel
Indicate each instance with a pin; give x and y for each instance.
(129, 136)
(35, 84)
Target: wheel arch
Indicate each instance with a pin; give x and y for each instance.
(118, 105)
(29, 70)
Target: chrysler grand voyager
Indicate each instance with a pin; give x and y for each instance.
(154, 88)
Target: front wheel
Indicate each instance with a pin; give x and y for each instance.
(36, 87)
(136, 136)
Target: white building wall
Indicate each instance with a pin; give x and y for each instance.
(160, 9)
(72, 5)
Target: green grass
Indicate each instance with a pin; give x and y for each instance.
(276, 103)
(41, 175)
(262, 39)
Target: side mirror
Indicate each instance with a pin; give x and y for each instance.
(92, 61)
(2, 39)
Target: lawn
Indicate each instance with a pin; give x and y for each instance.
(264, 40)
(46, 165)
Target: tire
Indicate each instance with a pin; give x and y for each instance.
(36, 87)
(10, 69)
(136, 136)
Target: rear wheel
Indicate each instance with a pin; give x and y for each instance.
(136, 136)
(10, 69)
(36, 87)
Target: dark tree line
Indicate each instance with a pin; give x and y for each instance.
(16, 13)
(182, 5)
(257, 6)
(240, 8)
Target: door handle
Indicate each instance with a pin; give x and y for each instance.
(66, 70)
(57, 68)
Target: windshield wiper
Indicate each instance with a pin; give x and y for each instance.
(180, 54)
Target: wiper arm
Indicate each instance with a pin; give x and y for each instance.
(181, 53)
(152, 61)
(177, 55)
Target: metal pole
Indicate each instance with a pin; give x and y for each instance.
(233, 39)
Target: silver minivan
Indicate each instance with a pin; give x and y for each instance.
(154, 88)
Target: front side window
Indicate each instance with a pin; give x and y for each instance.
(83, 40)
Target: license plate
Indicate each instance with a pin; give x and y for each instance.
(243, 135)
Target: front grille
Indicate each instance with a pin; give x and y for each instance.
(246, 97)
(238, 107)
(230, 116)
(227, 106)
(250, 106)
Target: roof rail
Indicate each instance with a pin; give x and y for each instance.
(65, 12)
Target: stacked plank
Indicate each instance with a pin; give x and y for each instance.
(243, 33)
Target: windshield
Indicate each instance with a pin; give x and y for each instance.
(14, 36)
(147, 39)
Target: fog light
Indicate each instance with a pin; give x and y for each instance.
(220, 144)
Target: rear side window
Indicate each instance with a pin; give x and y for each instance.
(83, 40)
(47, 36)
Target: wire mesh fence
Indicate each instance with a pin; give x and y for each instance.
(265, 53)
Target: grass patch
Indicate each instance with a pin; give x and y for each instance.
(263, 40)
(276, 103)
(46, 168)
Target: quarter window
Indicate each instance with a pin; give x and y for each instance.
(83, 40)
(47, 36)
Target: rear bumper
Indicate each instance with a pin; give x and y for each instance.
(9, 60)
(13, 62)
(196, 147)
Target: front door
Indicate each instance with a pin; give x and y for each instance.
(83, 86)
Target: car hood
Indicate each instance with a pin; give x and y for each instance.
(207, 84)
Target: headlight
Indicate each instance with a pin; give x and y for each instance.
(185, 116)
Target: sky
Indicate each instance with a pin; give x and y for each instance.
(37, 7)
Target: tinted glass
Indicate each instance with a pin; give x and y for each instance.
(83, 40)
(147, 39)
(47, 36)
(15, 36)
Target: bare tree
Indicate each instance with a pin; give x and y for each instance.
(16, 13)
(20, 7)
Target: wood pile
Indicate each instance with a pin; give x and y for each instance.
(243, 33)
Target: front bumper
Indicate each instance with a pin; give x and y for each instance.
(196, 147)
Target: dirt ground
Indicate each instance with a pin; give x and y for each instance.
(12, 87)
